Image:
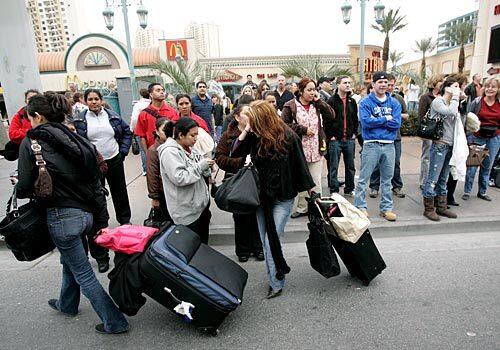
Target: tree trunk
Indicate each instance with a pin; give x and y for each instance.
(385, 52)
(461, 59)
(422, 67)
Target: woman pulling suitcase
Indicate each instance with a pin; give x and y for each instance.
(184, 172)
(277, 154)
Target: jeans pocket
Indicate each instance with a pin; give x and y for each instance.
(66, 229)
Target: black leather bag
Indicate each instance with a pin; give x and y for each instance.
(25, 230)
(321, 253)
(135, 146)
(430, 128)
(240, 193)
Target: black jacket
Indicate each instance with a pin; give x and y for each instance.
(282, 99)
(72, 164)
(282, 178)
(335, 127)
(123, 135)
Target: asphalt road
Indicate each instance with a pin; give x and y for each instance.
(438, 292)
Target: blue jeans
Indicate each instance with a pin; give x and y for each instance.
(397, 181)
(493, 144)
(412, 106)
(218, 133)
(143, 155)
(66, 226)
(281, 213)
(439, 169)
(382, 155)
(335, 149)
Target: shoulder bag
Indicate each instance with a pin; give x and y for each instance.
(476, 155)
(430, 128)
(25, 230)
(240, 193)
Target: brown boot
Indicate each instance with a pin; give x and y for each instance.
(429, 211)
(442, 208)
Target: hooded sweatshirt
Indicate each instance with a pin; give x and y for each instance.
(185, 189)
(373, 118)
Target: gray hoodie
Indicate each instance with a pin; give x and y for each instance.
(448, 112)
(186, 191)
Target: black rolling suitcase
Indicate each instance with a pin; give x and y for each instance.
(362, 259)
(183, 274)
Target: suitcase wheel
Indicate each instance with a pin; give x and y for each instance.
(210, 331)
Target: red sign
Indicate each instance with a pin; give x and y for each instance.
(176, 49)
(228, 76)
(372, 65)
(497, 10)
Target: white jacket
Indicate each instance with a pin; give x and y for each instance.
(460, 152)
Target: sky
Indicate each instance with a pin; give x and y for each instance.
(289, 27)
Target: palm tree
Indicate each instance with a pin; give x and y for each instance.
(311, 66)
(391, 23)
(395, 57)
(424, 45)
(184, 74)
(460, 34)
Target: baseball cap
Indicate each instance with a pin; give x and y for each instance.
(379, 75)
(323, 79)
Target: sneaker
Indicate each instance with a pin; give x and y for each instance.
(100, 329)
(388, 215)
(349, 194)
(491, 183)
(398, 193)
(466, 196)
(484, 197)
(373, 193)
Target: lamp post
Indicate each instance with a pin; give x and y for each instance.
(379, 15)
(108, 15)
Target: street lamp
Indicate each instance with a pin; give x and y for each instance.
(142, 13)
(379, 16)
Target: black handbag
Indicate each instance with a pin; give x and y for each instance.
(321, 254)
(240, 193)
(25, 230)
(135, 146)
(430, 128)
(156, 218)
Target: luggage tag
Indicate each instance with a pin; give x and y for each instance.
(184, 308)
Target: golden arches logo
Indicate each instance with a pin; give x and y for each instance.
(176, 48)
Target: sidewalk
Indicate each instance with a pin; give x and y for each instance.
(474, 214)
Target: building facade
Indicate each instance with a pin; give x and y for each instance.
(206, 36)
(148, 37)
(55, 23)
(444, 43)
(486, 59)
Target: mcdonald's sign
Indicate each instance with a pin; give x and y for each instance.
(176, 48)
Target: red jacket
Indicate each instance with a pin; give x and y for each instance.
(196, 118)
(19, 126)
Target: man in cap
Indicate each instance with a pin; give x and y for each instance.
(380, 118)
(325, 88)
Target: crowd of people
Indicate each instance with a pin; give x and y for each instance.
(286, 132)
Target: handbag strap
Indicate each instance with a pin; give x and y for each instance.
(37, 150)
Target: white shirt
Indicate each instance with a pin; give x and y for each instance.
(413, 91)
(101, 134)
(136, 110)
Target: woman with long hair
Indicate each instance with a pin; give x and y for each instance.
(184, 172)
(261, 89)
(76, 204)
(306, 114)
(246, 232)
(185, 109)
(487, 108)
(276, 152)
(435, 193)
(153, 176)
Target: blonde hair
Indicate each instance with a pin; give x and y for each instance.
(434, 80)
(491, 81)
(247, 87)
